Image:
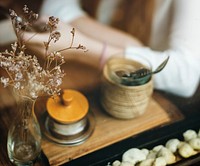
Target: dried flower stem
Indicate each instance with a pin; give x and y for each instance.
(24, 73)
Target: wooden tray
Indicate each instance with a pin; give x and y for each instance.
(109, 130)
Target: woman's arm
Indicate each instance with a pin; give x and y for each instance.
(104, 33)
(96, 49)
(100, 40)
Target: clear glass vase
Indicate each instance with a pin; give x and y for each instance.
(24, 136)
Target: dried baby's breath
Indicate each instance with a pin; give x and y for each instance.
(24, 72)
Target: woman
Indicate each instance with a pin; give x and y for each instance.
(166, 28)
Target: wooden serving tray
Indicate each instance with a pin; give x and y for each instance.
(109, 130)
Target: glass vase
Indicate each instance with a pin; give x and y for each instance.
(24, 135)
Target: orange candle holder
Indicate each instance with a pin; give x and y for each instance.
(69, 120)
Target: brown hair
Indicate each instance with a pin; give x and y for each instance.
(132, 16)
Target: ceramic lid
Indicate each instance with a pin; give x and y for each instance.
(70, 107)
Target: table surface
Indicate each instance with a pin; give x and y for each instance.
(87, 81)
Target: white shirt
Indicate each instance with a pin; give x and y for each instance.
(175, 33)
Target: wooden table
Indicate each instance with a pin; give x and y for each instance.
(108, 129)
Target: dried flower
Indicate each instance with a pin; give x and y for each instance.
(24, 72)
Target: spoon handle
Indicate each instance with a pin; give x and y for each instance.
(161, 66)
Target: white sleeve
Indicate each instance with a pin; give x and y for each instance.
(181, 76)
(65, 10)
